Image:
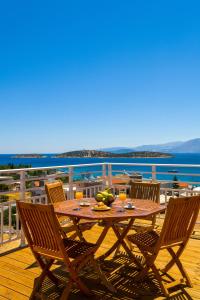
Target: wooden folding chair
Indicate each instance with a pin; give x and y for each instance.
(142, 190)
(145, 190)
(44, 236)
(55, 193)
(178, 225)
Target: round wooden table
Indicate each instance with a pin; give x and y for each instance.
(143, 208)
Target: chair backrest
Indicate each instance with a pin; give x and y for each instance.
(180, 219)
(145, 190)
(41, 229)
(55, 192)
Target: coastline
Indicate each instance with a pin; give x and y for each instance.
(50, 161)
(29, 156)
(100, 157)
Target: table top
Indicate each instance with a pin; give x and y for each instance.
(143, 208)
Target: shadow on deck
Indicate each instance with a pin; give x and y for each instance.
(123, 279)
(18, 272)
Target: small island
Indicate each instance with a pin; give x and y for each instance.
(102, 154)
(29, 156)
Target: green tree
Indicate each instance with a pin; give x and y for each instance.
(64, 179)
(13, 216)
(175, 184)
(3, 187)
(4, 198)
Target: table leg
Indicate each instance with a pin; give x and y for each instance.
(101, 237)
(120, 237)
(103, 234)
(78, 231)
(120, 241)
(124, 245)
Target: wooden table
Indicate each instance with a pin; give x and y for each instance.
(143, 208)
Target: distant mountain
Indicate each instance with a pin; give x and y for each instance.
(168, 147)
(191, 146)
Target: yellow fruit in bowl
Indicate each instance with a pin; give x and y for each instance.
(105, 196)
(105, 193)
(99, 197)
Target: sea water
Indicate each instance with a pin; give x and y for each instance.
(50, 160)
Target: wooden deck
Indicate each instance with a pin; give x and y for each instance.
(18, 271)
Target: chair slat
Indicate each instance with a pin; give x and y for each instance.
(180, 219)
(40, 225)
(55, 192)
(145, 190)
(46, 241)
(178, 225)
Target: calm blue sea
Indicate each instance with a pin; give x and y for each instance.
(49, 160)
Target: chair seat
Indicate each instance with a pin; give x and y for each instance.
(146, 240)
(76, 248)
(143, 227)
(180, 219)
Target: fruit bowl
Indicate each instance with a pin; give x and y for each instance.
(105, 196)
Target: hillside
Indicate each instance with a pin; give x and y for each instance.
(117, 150)
(96, 153)
(29, 156)
(190, 146)
(167, 147)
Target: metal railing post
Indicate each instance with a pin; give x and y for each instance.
(22, 198)
(106, 171)
(104, 167)
(22, 185)
(71, 193)
(109, 175)
(2, 223)
(153, 173)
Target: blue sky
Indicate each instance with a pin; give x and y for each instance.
(93, 74)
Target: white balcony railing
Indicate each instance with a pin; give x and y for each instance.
(28, 185)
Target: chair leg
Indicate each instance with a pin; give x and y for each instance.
(77, 280)
(102, 276)
(67, 290)
(149, 260)
(150, 264)
(48, 263)
(117, 251)
(77, 229)
(74, 278)
(83, 288)
(180, 266)
(38, 281)
(172, 262)
(127, 241)
(159, 278)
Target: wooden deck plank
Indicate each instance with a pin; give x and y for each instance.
(22, 258)
(18, 269)
(17, 277)
(7, 293)
(15, 286)
(19, 264)
(3, 298)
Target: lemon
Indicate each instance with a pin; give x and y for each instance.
(99, 197)
(105, 193)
